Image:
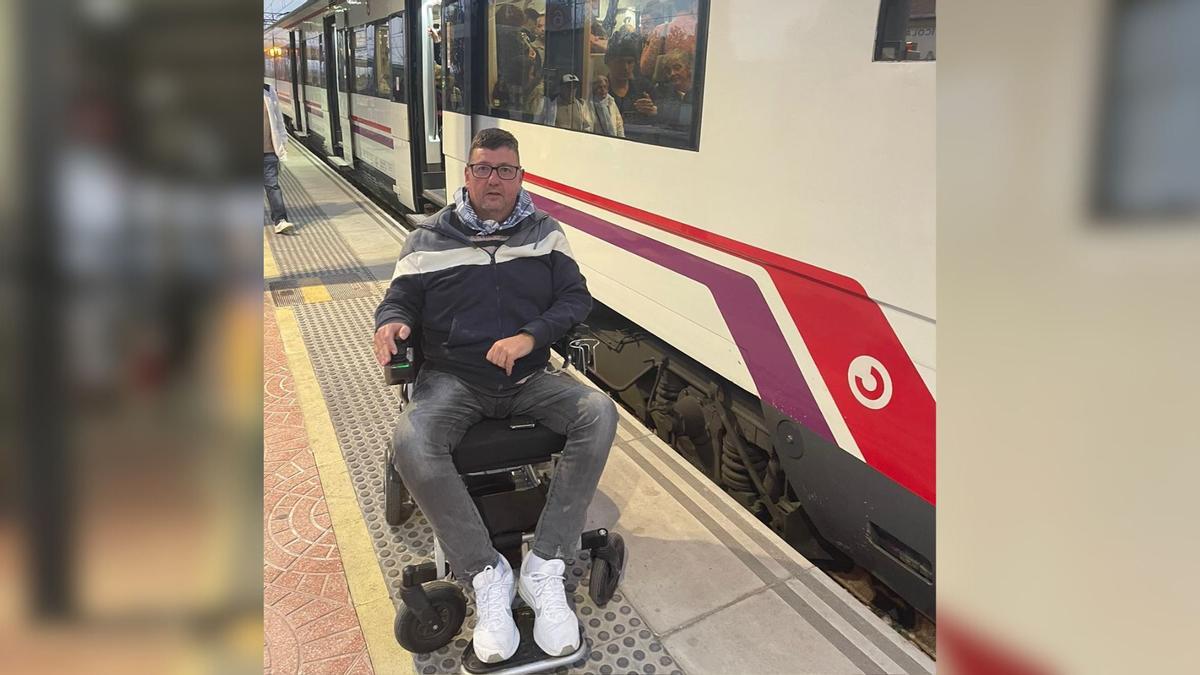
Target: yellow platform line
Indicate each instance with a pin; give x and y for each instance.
(316, 293)
(368, 589)
(270, 269)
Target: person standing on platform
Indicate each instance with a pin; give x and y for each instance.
(491, 283)
(274, 151)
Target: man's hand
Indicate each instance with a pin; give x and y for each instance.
(506, 352)
(645, 106)
(385, 340)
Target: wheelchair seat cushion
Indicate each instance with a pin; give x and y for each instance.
(491, 444)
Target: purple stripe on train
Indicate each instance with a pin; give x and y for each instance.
(373, 135)
(768, 356)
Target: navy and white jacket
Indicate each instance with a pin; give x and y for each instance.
(464, 292)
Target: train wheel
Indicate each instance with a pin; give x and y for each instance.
(419, 637)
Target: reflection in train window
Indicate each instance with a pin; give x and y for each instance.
(321, 60)
(313, 75)
(383, 70)
(341, 60)
(621, 68)
(364, 59)
(285, 64)
(907, 31)
(397, 58)
(453, 77)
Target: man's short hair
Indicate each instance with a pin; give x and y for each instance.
(494, 139)
(532, 14)
(621, 46)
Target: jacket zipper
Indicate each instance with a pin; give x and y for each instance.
(499, 308)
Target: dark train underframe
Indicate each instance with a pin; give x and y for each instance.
(831, 507)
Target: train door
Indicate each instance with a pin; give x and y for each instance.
(429, 172)
(332, 86)
(297, 84)
(343, 55)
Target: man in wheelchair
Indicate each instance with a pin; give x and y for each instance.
(490, 283)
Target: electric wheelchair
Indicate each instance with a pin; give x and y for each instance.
(506, 465)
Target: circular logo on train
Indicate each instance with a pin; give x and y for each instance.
(870, 382)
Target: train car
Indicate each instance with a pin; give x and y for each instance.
(749, 190)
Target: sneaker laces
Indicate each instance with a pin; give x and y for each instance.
(550, 594)
(491, 599)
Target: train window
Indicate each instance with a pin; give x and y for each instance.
(312, 73)
(340, 57)
(364, 60)
(383, 55)
(453, 77)
(622, 68)
(317, 59)
(288, 59)
(1149, 161)
(906, 31)
(304, 65)
(397, 58)
(320, 60)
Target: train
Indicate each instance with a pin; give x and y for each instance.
(758, 233)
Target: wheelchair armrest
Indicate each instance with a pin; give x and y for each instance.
(578, 347)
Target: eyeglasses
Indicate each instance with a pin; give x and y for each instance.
(505, 171)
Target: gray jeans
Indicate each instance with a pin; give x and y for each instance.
(444, 407)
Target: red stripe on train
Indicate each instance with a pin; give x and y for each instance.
(877, 389)
(370, 123)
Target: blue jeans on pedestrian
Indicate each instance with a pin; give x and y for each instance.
(271, 182)
(444, 407)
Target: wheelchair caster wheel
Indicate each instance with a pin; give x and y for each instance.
(397, 506)
(448, 603)
(608, 565)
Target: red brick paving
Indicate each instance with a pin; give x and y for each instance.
(309, 622)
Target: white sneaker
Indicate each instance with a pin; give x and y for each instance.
(555, 628)
(283, 226)
(496, 635)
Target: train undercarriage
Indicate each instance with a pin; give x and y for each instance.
(724, 432)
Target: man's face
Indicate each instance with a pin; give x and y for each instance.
(493, 198)
(540, 27)
(680, 74)
(622, 68)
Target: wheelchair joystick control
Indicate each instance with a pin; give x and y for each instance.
(401, 369)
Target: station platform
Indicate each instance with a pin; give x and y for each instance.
(707, 588)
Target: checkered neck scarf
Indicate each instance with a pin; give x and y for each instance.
(465, 213)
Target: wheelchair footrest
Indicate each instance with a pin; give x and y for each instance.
(516, 511)
(528, 658)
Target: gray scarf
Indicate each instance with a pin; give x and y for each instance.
(465, 213)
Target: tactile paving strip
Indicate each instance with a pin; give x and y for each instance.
(316, 249)
(340, 287)
(363, 411)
